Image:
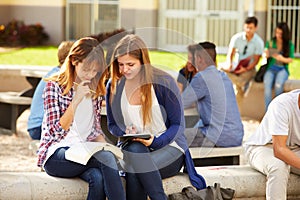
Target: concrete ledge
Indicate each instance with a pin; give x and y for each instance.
(207, 156)
(253, 103)
(206, 152)
(38, 185)
(248, 184)
(14, 98)
(13, 77)
(217, 156)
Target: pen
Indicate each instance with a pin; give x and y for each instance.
(90, 89)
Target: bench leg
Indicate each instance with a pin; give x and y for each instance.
(217, 161)
(236, 160)
(14, 116)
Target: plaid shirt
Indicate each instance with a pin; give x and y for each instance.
(55, 106)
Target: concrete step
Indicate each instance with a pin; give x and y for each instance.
(247, 182)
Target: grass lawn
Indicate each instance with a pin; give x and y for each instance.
(47, 56)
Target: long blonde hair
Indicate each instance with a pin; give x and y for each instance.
(85, 48)
(134, 46)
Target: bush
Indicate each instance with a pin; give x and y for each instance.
(16, 33)
(108, 39)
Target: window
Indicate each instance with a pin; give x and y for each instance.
(89, 17)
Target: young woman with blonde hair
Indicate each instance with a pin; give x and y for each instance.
(143, 99)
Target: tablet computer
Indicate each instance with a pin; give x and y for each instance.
(145, 136)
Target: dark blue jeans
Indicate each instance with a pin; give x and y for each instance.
(35, 133)
(145, 170)
(101, 172)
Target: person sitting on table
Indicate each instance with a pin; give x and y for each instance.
(220, 123)
(143, 99)
(187, 72)
(72, 102)
(274, 149)
(34, 124)
(245, 49)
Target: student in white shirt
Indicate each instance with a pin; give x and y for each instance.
(274, 148)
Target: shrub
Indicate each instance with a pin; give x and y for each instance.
(16, 33)
(109, 38)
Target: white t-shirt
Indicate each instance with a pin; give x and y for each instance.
(81, 126)
(281, 118)
(133, 116)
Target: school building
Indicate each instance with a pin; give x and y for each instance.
(164, 24)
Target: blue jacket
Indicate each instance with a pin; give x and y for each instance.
(37, 106)
(169, 98)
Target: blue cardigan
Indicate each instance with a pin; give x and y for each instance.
(169, 98)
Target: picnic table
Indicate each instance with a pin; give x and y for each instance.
(13, 104)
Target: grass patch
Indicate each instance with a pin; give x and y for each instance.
(44, 56)
(47, 56)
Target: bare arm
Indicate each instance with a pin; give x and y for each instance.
(254, 62)
(230, 56)
(99, 138)
(67, 118)
(281, 58)
(282, 152)
(250, 66)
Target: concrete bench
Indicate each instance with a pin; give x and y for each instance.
(207, 156)
(247, 183)
(21, 77)
(253, 105)
(12, 104)
(17, 86)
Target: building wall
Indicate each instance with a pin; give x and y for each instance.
(50, 14)
(140, 15)
(134, 14)
(260, 11)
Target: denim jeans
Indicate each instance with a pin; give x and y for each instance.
(101, 172)
(145, 170)
(35, 133)
(274, 78)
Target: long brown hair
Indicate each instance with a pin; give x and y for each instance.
(85, 48)
(134, 46)
(283, 26)
(191, 49)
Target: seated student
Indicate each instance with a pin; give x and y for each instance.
(187, 72)
(72, 102)
(143, 99)
(246, 46)
(274, 149)
(220, 122)
(34, 124)
(280, 51)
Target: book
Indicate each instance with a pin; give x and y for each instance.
(243, 63)
(272, 51)
(127, 137)
(82, 152)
